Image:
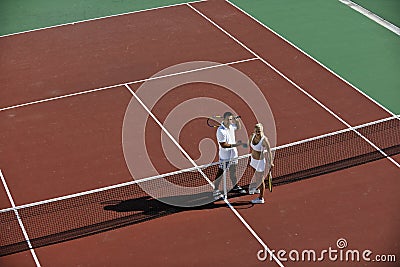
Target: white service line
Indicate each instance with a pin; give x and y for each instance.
(99, 18)
(3, 180)
(58, 97)
(315, 60)
(294, 84)
(369, 14)
(122, 84)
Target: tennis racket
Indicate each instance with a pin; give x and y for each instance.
(214, 121)
(270, 180)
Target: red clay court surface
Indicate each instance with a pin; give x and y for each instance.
(73, 144)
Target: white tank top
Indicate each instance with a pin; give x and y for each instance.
(258, 147)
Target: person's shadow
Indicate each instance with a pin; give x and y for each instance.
(147, 208)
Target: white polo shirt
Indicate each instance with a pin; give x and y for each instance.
(227, 135)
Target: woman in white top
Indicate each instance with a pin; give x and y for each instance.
(259, 143)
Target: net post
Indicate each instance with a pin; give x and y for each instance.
(224, 179)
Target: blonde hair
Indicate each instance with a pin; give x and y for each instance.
(259, 126)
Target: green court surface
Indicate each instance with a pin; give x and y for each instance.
(353, 46)
(23, 15)
(386, 9)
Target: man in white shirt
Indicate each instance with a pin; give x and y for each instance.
(228, 151)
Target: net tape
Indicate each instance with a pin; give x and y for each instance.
(74, 216)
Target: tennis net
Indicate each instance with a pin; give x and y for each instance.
(65, 218)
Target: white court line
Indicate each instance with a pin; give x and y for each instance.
(369, 14)
(315, 60)
(19, 220)
(99, 18)
(122, 84)
(187, 170)
(295, 85)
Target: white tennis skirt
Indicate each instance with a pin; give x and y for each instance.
(258, 164)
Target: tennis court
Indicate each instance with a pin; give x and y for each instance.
(79, 101)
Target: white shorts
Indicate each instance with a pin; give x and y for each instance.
(233, 155)
(258, 164)
(227, 162)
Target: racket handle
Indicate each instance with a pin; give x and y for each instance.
(237, 117)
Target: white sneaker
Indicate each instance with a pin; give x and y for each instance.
(258, 201)
(253, 191)
(238, 189)
(216, 192)
(217, 195)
